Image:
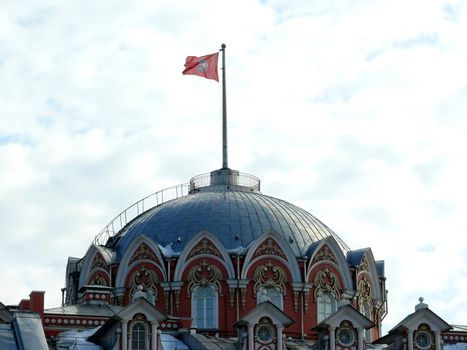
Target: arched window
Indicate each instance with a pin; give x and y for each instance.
(139, 339)
(204, 307)
(271, 294)
(326, 305)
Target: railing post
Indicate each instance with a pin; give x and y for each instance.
(109, 230)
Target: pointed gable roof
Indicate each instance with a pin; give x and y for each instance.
(266, 309)
(422, 315)
(345, 313)
(139, 306)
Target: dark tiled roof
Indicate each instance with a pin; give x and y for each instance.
(235, 217)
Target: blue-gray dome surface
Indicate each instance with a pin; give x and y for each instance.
(235, 217)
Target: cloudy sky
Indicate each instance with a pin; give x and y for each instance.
(353, 110)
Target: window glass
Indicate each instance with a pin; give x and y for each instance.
(138, 337)
(271, 294)
(327, 305)
(204, 307)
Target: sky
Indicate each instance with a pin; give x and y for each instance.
(352, 110)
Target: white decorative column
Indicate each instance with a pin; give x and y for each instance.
(360, 338)
(279, 337)
(251, 337)
(437, 340)
(124, 335)
(410, 339)
(332, 338)
(154, 336)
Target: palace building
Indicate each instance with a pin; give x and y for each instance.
(207, 259)
(216, 263)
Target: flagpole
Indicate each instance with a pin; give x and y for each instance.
(224, 113)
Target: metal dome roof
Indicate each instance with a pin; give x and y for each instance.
(235, 214)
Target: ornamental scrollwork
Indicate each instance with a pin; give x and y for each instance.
(205, 247)
(268, 275)
(325, 253)
(144, 252)
(146, 278)
(424, 327)
(363, 264)
(346, 324)
(98, 262)
(98, 279)
(325, 282)
(364, 291)
(269, 247)
(204, 274)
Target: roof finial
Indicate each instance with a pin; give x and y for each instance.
(421, 305)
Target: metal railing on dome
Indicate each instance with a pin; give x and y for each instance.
(232, 178)
(148, 202)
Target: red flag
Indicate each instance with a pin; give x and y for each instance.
(204, 66)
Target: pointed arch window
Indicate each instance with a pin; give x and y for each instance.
(326, 305)
(204, 307)
(271, 294)
(139, 338)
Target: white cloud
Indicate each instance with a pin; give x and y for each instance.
(353, 110)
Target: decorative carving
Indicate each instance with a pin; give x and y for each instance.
(205, 247)
(166, 297)
(295, 300)
(269, 247)
(424, 327)
(243, 297)
(177, 299)
(139, 318)
(98, 279)
(346, 335)
(325, 282)
(98, 262)
(364, 264)
(305, 300)
(204, 274)
(364, 292)
(324, 253)
(144, 252)
(265, 332)
(146, 278)
(231, 297)
(268, 275)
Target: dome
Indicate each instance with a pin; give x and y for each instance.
(236, 214)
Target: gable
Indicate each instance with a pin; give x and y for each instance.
(328, 252)
(141, 306)
(267, 309)
(203, 245)
(425, 315)
(346, 313)
(269, 247)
